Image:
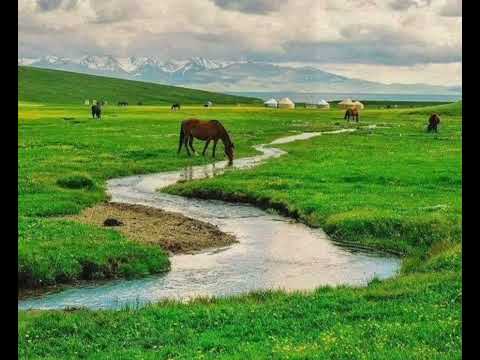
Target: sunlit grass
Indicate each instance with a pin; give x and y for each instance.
(394, 187)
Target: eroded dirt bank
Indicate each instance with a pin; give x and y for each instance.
(173, 232)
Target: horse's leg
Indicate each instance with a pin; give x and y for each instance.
(205, 148)
(190, 143)
(214, 147)
(187, 138)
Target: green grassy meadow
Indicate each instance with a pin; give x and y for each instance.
(395, 187)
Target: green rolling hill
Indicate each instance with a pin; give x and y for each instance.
(62, 87)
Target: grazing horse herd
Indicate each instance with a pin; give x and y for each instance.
(213, 130)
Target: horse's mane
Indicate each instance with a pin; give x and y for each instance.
(219, 124)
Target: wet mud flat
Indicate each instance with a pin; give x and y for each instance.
(273, 252)
(174, 232)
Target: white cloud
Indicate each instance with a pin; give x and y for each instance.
(324, 31)
(452, 8)
(434, 74)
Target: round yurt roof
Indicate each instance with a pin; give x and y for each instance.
(271, 101)
(346, 102)
(358, 104)
(322, 102)
(286, 100)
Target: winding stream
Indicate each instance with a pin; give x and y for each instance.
(273, 252)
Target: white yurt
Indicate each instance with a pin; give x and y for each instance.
(286, 103)
(271, 103)
(357, 104)
(323, 104)
(346, 104)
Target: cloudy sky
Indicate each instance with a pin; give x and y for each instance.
(405, 41)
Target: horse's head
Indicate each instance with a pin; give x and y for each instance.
(229, 152)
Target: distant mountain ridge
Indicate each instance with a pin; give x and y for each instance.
(216, 75)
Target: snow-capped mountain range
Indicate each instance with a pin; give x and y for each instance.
(198, 72)
(133, 65)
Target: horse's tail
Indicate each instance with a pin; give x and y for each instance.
(182, 136)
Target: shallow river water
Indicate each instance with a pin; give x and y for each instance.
(273, 252)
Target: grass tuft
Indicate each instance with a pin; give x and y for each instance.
(76, 182)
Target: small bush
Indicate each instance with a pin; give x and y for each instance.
(76, 182)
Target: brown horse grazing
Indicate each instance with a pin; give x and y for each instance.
(433, 122)
(206, 130)
(353, 113)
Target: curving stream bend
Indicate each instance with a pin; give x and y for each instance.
(273, 252)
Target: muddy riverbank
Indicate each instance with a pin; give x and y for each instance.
(174, 232)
